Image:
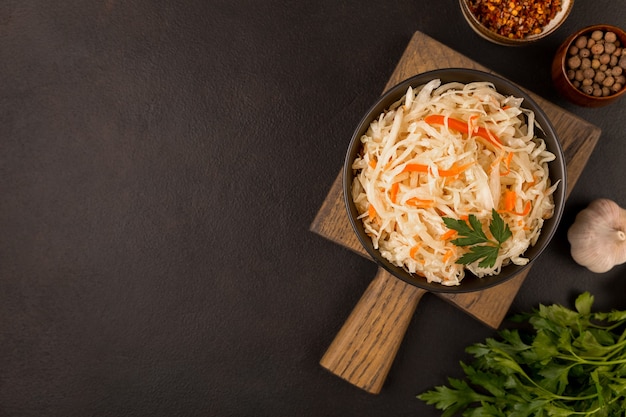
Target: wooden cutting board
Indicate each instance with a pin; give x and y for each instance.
(364, 349)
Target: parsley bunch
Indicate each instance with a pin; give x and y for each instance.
(568, 363)
(471, 234)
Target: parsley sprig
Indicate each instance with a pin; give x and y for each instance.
(471, 234)
(559, 362)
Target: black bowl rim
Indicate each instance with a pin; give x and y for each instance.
(558, 171)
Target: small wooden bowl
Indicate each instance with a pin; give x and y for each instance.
(490, 35)
(559, 70)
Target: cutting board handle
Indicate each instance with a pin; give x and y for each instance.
(364, 349)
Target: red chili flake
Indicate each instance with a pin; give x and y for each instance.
(515, 19)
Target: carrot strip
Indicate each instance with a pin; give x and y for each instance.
(419, 203)
(455, 124)
(448, 255)
(507, 164)
(509, 200)
(487, 135)
(453, 171)
(460, 126)
(393, 193)
(527, 208)
(416, 168)
(372, 163)
(509, 204)
(371, 212)
(450, 233)
(414, 250)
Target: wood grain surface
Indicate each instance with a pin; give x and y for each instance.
(365, 347)
(384, 310)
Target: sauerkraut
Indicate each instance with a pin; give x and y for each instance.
(451, 150)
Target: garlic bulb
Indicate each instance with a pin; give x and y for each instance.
(598, 236)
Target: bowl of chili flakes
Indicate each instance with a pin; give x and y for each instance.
(515, 22)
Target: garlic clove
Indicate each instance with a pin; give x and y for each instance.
(598, 236)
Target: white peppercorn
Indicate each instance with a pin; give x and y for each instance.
(574, 62)
(581, 42)
(579, 75)
(604, 59)
(597, 49)
(585, 63)
(599, 77)
(596, 35)
(610, 37)
(609, 47)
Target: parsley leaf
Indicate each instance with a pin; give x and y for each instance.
(487, 253)
(563, 362)
(481, 249)
(498, 228)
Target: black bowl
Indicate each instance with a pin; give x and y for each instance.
(557, 172)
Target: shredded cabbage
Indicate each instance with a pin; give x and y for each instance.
(481, 154)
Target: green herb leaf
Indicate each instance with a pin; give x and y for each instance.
(487, 253)
(470, 233)
(566, 362)
(454, 398)
(498, 227)
(583, 303)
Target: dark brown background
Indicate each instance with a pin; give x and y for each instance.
(160, 165)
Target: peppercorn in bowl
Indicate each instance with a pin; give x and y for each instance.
(589, 68)
(515, 22)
